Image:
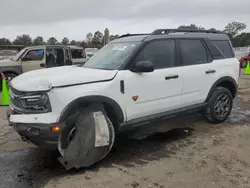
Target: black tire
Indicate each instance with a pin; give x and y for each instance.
(9, 77)
(217, 110)
(244, 64)
(81, 149)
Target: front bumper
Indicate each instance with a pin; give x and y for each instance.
(36, 133)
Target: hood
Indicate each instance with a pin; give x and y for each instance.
(4, 61)
(8, 62)
(45, 79)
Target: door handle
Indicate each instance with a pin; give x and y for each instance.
(171, 77)
(210, 71)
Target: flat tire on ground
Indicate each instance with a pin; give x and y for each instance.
(81, 149)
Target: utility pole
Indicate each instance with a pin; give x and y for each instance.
(106, 36)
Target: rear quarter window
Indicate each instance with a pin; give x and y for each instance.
(225, 47)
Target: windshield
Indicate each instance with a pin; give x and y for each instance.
(17, 56)
(111, 56)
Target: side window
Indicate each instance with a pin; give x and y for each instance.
(193, 52)
(215, 52)
(160, 53)
(35, 55)
(77, 53)
(225, 48)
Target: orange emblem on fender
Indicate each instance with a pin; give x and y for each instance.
(135, 98)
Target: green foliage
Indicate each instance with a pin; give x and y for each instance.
(73, 42)
(233, 29)
(191, 26)
(38, 41)
(4, 41)
(65, 41)
(24, 40)
(52, 41)
(241, 40)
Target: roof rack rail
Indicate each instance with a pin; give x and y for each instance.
(167, 31)
(129, 35)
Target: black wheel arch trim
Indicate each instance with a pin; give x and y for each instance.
(93, 99)
(219, 81)
(13, 69)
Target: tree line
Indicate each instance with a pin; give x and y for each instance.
(234, 30)
(96, 40)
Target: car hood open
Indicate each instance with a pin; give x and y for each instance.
(45, 79)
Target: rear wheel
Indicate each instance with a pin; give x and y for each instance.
(219, 105)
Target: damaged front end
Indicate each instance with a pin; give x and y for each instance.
(87, 138)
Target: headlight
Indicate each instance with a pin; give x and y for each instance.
(35, 102)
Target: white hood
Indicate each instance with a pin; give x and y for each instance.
(45, 79)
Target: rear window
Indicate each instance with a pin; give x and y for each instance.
(193, 52)
(224, 47)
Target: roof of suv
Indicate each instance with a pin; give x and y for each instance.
(172, 33)
(54, 46)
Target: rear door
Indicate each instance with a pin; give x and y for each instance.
(32, 59)
(198, 70)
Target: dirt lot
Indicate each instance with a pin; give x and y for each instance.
(197, 154)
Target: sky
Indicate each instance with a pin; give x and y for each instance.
(75, 18)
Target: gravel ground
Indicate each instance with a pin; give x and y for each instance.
(196, 154)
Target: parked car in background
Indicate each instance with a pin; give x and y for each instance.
(38, 57)
(78, 55)
(90, 52)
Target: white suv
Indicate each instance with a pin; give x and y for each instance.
(133, 80)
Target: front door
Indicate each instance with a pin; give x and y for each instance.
(33, 59)
(155, 92)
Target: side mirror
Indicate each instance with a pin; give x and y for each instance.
(143, 66)
(43, 65)
(25, 59)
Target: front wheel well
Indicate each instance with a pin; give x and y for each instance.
(113, 110)
(10, 72)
